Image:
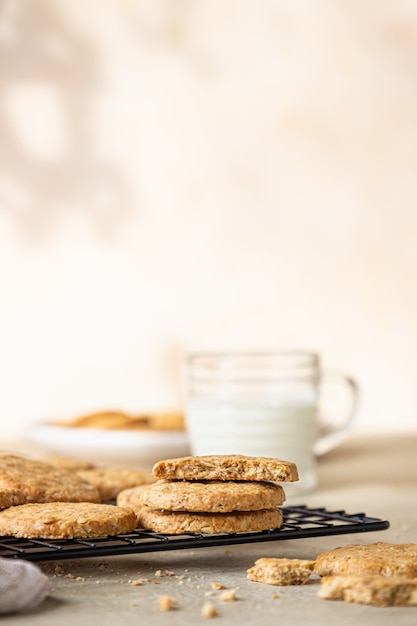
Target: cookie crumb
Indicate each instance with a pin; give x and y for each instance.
(228, 596)
(217, 586)
(274, 595)
(275, 571)
(166, 603)
(208, 610)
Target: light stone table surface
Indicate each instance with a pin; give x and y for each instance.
(376, 476)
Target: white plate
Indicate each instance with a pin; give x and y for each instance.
(121, 447)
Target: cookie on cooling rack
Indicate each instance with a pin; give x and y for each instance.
(41, 482)
(177, 523)
(374, 589)
(226, 467)
(387, 559)
(275, 571)
(212, 496)
(66, 520)
(131, 498)
(11, 497)
(111, 480)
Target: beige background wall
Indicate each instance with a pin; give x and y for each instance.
(207, 174)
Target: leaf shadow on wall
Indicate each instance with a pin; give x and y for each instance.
(38, 47)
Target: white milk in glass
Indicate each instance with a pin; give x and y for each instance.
(281, 427)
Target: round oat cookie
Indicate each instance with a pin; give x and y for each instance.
(132, 498)
(11, 497)
(41, 482)
(213, 496)
(176, 523)
(226, 467)
(109, 481)
(66, 520)
(387, 559)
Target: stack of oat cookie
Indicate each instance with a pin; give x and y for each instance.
(40, 500)
(212, 494)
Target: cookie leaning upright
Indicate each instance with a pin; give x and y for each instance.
(36, 481)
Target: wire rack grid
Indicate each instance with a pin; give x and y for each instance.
(298, 522)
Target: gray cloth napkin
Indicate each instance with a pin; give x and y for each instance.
(22, 585)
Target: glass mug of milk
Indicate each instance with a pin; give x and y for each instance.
(263, 404)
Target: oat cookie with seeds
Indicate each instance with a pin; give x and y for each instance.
(66, 520)
(10, 497)
(41, 482)
(226, 467)
(213, 496)
(374, 589)
(281, 571)
(387, 559)
(177, 523)
(131, 498)
(111, 480)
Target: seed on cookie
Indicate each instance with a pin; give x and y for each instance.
(226, 467)
(175, 523)
(212, 496)
(66, 520)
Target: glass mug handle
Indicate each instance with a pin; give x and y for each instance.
(331, 434)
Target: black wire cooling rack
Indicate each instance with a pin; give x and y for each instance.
(298, 522)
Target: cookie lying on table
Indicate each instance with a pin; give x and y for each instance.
(212, 494)
(387, 559)
(372, 589)
(378, 574)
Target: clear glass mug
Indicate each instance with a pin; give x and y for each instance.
(264, 404)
